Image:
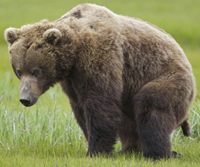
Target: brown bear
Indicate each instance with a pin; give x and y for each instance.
(124, 77)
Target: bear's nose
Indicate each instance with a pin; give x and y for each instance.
(25, 102)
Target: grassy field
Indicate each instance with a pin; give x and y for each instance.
(47, 133)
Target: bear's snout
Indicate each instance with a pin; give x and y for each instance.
(29, 92)
(25, 102)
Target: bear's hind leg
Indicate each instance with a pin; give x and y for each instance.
(155, 134)
(160, 106)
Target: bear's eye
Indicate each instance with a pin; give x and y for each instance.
(19, 73)
(35, 73)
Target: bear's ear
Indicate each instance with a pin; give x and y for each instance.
(11, 34)
(52, 35)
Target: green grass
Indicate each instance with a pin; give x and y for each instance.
(47, 133)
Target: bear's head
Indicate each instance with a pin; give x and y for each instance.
(37, 58)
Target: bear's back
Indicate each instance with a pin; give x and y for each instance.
(141, 38)
(102, 18)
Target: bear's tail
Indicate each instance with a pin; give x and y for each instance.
(186, 128)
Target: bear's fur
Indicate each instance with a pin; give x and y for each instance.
(124, 77)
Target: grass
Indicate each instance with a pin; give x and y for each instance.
(47, 133)
(49, 136)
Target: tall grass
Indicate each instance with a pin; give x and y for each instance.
(51, 125)
(43, 125)
(49, 136)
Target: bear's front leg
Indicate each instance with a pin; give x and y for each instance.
(102, 121)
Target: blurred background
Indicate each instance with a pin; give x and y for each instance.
(180, 18)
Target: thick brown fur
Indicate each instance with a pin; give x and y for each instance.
(124, 77)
